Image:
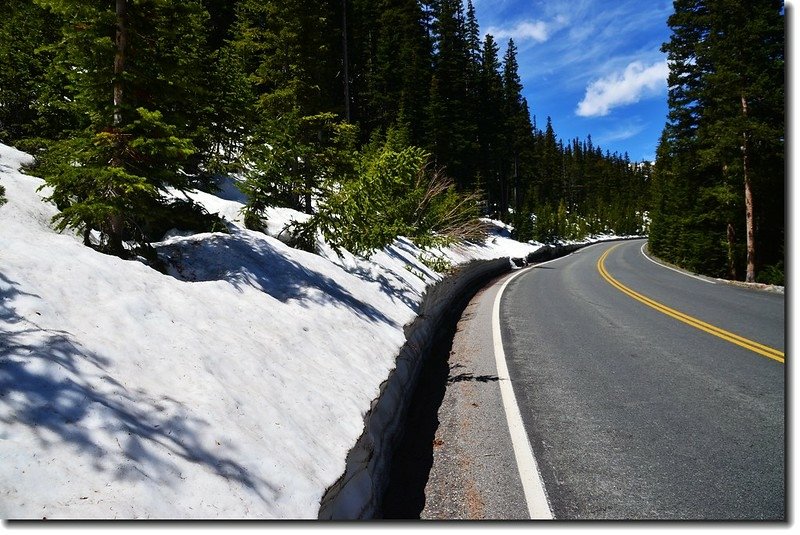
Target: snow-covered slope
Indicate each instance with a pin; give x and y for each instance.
(231, 387)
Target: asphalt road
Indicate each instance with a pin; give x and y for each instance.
(633, 414)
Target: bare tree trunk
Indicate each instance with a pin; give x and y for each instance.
(731, 252)
(307, 205)
(748, 204)
(115, 220)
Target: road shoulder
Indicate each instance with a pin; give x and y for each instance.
(474, 474)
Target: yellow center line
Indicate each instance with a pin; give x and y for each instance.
(761, 349)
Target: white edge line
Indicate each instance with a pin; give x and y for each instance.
(532, 484)
(672, 268)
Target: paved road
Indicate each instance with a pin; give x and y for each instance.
(633, 414)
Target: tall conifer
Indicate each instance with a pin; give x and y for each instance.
(286, 50)
(450, 64)
(726, 130)
(27, 34)
(110, 175)
(491, 131)
(519, 149)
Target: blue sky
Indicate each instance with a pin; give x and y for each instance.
(594, 67)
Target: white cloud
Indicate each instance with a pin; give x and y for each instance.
(623, 131)
(637, 81)
(537, 30)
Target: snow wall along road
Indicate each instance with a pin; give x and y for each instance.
(359, 491)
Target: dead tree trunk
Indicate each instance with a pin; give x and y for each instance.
(731, 252)
(115, 220)
(748, 203)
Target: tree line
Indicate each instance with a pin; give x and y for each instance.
(378, 118)
(719, 183)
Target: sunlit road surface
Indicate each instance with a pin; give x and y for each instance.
(646, 393)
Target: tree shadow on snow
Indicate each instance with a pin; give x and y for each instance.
(404, 251)
(64, 394)
(247, 261)
(394, 291)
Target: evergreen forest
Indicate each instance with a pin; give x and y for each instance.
(718, 203)
(381, 118)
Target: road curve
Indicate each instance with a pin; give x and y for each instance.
(636, 413)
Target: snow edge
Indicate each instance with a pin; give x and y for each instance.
(359, 491)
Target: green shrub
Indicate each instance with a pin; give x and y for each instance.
(435, 263)
(773, 274)
(294, 160)
(395, 193)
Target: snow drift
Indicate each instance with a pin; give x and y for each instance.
(231, 387)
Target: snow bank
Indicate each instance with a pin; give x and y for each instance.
(359, 492)
(231, 387)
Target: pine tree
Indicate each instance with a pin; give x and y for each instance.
(519, 155)
(491, 125)
(450, 64)
(435, 129)
(233, 115)
(392, 67)
(550, 162)
(221, 16)
(26, 32)
(473, 108)
(745, 127)
(472, 31)
(285, 50)
(726, 125)
(110, 175)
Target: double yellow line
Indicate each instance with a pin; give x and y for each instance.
(761, 349)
